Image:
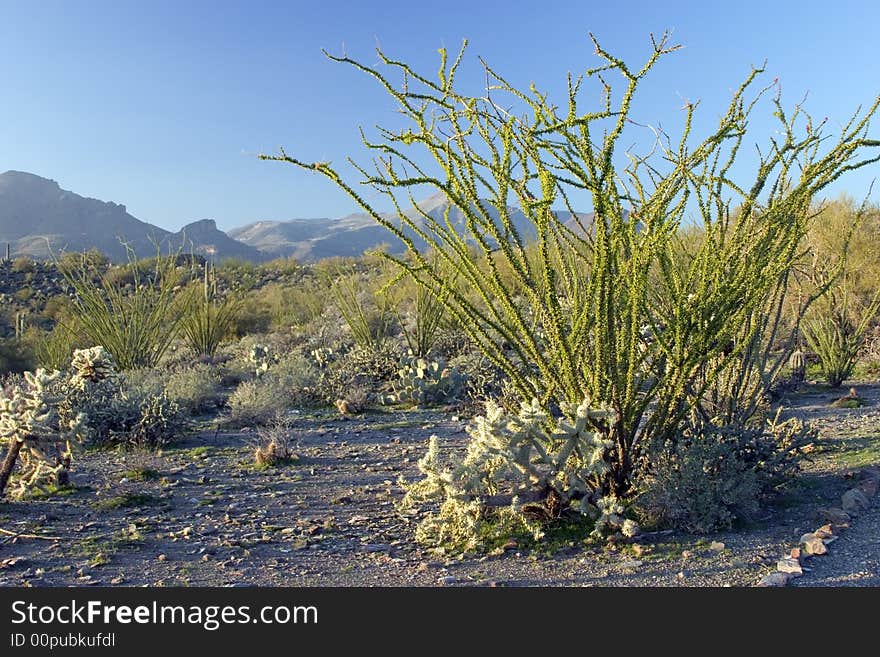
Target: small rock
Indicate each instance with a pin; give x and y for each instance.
(835, 516)
(446, 581)
(825, 531)
(795, 553)
(162, 557)
(630, 564)
(716, 546)
(774, 579)
(789, 566)
(117, 580)
(813, 545)
(854, 501)
(686, 554)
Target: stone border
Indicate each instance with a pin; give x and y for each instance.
(854, 501)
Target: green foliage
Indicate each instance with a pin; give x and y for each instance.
(836, 332)
(206, 322)
(712, 476)
(15, 356)
(368, 316)
(135, 322)
(842, 250)
(422, 322)
(614, 311)
(196, 389)
(130, 409)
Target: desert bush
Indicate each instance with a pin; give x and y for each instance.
(130, 409)
(712, 476)
(207, 321)
(257, 401)
(367, 314)
(421, 322)
(842, 252)
(23, 264)
(136, 324)
(54, 349)
(196, 389)
(15, 356)
(275, 446)
(347, 370)
(159, 422)
(606, 311)
(836, 332)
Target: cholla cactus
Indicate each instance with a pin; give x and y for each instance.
(423, 382)
(516, 474)
(91, 365)
(610, 516)
(30, 422)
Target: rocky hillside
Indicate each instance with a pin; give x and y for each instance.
(38, 219)
(313, 239)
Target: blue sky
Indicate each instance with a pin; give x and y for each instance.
(163, 106)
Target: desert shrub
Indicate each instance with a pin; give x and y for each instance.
(359, 367)
(257, 401)
(275, 445)
(53, 349)
(712, 476)
(367, 314)
(482, 380)
(129, 409)
(23, 264)
(301, 379)
(195, 389)
(135, 321)
(420, 315)
(611, 310)
(159, 421)
(15, 356)
(207, 321)
(836, 331)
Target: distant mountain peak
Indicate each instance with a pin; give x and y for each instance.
(38, 219)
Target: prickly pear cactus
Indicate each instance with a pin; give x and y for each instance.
(422, 382)
(261, 358)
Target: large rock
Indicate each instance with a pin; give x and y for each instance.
(812, 545)
(774, 579)
(789, 566)
(854, 501)
(836, 516)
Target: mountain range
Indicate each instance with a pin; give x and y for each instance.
(38, 219)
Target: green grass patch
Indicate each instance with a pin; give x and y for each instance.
(141, 474)
(127, 501)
